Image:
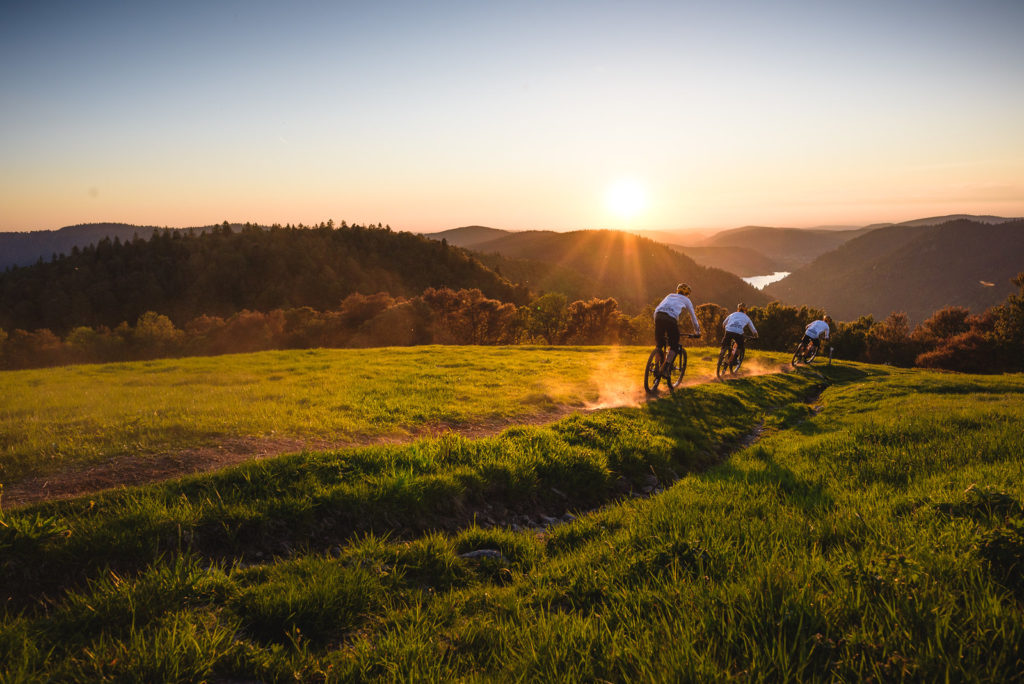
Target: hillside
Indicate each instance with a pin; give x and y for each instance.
(25, 248)
(185, 275)
(600, 263)
(468, 237)
(916, 269)
(741, 261)
(790, 248)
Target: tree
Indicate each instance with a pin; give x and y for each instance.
(546, 317)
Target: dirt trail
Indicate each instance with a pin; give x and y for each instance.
(128, 471)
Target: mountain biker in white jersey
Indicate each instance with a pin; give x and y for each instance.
(817, 331)
(666, 322)
(734, 324)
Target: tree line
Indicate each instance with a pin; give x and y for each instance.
(222, 271)
(951, 339)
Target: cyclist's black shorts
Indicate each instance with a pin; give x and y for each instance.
(815, 340)
(729, 336)
(666, 331)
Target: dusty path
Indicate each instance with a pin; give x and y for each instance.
(128, 471)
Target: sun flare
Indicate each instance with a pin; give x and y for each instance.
(626, 198)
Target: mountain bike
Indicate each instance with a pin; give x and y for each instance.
(730, 358)
(806, 352)
(652, 373)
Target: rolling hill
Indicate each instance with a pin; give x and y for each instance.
(25, 248)
(917, 269)
(601, 263)
(742, 261)
(790, 248)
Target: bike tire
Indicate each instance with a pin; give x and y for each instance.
(722, 366)
(651, 377)
(678, 369)
(811, 354)
(797, 357)
(738, 361)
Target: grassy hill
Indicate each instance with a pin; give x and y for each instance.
(850, 523)
(916, 269)
(600, 263)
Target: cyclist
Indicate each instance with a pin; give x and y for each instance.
(816, 331)
(666, 323)
(735, 324)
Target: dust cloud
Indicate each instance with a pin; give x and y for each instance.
(619, 380)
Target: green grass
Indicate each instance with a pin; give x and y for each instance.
(876, 537)
(67, 417)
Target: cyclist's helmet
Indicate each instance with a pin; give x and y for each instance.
(741, 307)
(683, 289)
(827, 319)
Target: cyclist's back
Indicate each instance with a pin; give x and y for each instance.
(666, 320)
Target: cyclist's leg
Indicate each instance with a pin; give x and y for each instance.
(672, 331)
(661, 336)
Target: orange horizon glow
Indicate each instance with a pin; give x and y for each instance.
(644, 116)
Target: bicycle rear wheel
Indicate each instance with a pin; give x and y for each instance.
(651, 372)
(723, 362)
(812, 353)
(678, 369)
(797, 354)
(737, 362)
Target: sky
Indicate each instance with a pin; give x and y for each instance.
(552, 115)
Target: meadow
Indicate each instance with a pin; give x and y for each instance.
(843, 523)
(75, 416)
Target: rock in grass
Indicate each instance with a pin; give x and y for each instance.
(483, 553)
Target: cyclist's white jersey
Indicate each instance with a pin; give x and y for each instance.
(817, 329)
(737, 321)
(673, 304)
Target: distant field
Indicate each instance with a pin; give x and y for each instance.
(52, 419)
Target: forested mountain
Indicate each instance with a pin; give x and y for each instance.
(742, 261)
(23, 249)
(602, 263)
(184, 275)
(917, 269)
(468, 237)
(790, 248)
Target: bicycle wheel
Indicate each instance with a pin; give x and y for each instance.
(651, 376)
(812, 353)
(723, 362)
(797, 355)
(678, 369)
(737, 362)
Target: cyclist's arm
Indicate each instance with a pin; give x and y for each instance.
(693, 319)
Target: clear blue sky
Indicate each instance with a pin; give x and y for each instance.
(433, 115)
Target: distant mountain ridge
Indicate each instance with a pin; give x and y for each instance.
(790, 248)
(917, 269)
(585, 264)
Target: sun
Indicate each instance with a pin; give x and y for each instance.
(626, 198)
